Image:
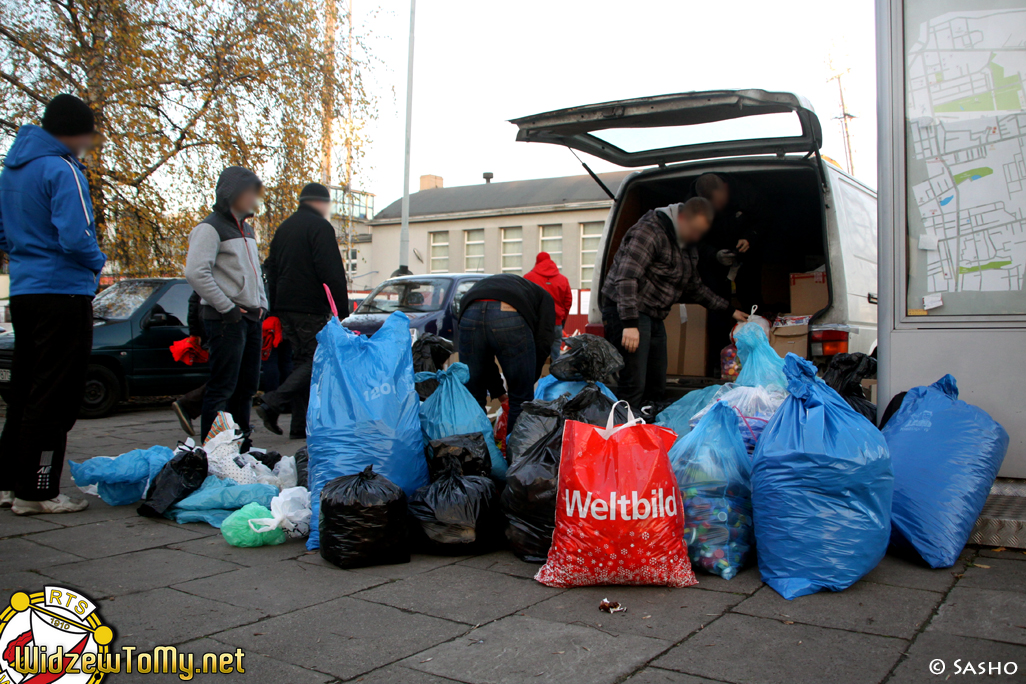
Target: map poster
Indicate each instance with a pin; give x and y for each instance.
(965, 61)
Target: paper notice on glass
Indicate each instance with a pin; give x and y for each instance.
(932, 301)
(929, 243)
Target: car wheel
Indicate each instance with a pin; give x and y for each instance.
(102, 392)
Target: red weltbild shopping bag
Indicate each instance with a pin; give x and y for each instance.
(619, 515)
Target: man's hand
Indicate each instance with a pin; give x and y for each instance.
(742, 246)
(631, 339)
(740, 316)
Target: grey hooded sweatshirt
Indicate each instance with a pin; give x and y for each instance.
(223, 265)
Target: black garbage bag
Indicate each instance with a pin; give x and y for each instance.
(529, 498)
(456, 513)
(430, 352)
(177, 479)
(363, 521)
(845, 375)
(469, 451)
(651, 410)
(268, 458)
(302, 464)
(590, 357)
(892, 408)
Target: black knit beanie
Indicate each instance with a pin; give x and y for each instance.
(315, 191)
(66, 115)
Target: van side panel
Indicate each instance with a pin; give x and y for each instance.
(855, 210)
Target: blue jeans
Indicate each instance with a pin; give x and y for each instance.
(234, 370)
(487, 335)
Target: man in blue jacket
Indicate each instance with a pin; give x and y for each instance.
(49, 235)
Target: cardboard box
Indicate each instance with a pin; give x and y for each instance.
(870, 387)
(809, 292)
(686, 342)
(790, 339)
(692, 356)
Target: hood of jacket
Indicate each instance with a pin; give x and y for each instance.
(32, 143)
(230, 184)
(545, 266)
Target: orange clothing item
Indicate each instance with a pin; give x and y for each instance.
(546, 274)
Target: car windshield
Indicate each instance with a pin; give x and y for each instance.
(409, 296)
(119, 301)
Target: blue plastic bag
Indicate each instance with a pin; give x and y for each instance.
(363, 410)
(715, 480)
(120, 480)
(676, 415)
(946, 454)
(452, 410)
(760, 364)
(551, 388)
(216, 499)
(821, 490)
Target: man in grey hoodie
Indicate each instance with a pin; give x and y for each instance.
(223, 267)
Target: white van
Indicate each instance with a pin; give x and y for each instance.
(823, 218)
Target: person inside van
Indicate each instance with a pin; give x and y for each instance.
(655, 268)
(729, 254)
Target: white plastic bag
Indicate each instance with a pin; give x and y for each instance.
(290, 511)
(286, 472)
(754, 407)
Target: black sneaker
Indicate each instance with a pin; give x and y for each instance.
(297, 435)
(270, 418)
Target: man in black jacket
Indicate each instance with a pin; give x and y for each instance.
(304, 257)
(731, 252)
(511, 320)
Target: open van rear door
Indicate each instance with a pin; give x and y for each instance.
(664, 129)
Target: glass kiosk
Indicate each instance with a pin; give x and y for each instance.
(952, 217)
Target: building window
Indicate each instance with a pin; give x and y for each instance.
(473, 250)
(591, 233)
(352, 262)
(550, 239)
(440, 251)
(512, 250)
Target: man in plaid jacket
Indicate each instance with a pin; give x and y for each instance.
(655, 268)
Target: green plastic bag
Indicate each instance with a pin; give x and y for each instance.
(236, 529)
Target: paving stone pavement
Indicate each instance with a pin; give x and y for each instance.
(483, 619)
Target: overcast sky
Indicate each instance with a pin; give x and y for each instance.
(479, 64)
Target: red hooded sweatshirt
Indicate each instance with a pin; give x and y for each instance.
(546, 274)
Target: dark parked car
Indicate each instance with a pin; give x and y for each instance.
(135, 321)
(431, 302)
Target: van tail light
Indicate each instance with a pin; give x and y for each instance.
(595, 329)
(829, 342)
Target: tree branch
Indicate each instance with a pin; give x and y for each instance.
(23, 88)
(59, 70)
(179, 144)
(8, 125)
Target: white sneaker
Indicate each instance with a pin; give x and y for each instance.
(6, 499)
(61, 504)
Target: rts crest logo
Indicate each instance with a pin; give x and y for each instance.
(49, 636)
